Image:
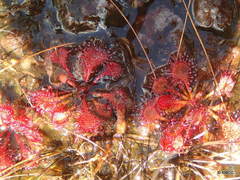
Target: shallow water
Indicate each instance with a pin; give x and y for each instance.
(158, 23)
(29, 26)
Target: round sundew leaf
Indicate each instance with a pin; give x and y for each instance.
(149, 116)
(158, 84)
(60, 57)
(182, 68)
(169, 103)
(87, 121)
(54, 105)
(180, 71)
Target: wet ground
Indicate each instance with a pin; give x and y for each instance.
(30, 26)
(159, 24)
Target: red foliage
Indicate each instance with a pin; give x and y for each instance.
(90, 61)
(6, 114)
(96, 115)
(111, 70)
(50, 103)
(158, 108)
(121, 103)
(17, 136)
(160, 85)
(169, 103)
(180, 73)
(181, 134)
(87, 121)
(19, 123)
(149, 115)
(94, 60)
(118, 98)
(89, 58)
(182, 68)
(174, 103)
(172, 139)
(60, 57)
(6, 155)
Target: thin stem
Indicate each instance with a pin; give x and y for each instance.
(205, 52)
(184, 27)
(135, 34)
